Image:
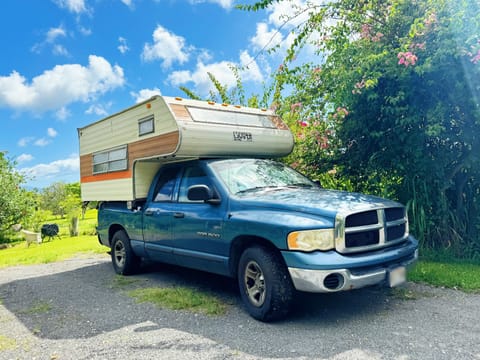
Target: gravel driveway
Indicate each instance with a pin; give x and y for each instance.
(79, 309)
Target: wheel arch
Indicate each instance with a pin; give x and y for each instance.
(242, 242)
(112, 230)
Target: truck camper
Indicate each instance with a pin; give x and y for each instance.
(119, 155)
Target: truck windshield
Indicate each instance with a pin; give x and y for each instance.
(250, 175)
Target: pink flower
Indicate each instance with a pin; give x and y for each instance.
(303, 123)
(360, 85)
(406, 58)
(432, 19)
(476, 58)
(295, 106)
(365, 32)
(378, 36)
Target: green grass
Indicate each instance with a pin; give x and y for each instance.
(40, 307)
(454, 274)
(57, 249)
(180, 298)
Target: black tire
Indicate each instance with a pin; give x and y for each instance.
(265, 284)
(124, 261)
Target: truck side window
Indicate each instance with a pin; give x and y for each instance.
(165, 185)
(192, 176)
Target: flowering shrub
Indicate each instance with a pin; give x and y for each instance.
(406, 58)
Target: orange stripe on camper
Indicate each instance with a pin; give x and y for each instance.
(107, 176)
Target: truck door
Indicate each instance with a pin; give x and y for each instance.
(158, 216)
(197, 226)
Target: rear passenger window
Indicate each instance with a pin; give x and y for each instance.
(166, 185)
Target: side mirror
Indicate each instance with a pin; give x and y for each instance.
(202, 193)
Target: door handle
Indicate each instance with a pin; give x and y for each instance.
(148, 212)
(178, 215)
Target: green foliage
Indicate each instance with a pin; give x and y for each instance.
(16, 203)
(236, 95)
(62, 199)
(396, 97)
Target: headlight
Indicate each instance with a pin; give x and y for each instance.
(310, 240)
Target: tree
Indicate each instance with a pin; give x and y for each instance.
(16, 203)
(393, 107)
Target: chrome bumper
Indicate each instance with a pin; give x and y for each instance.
(333, 280)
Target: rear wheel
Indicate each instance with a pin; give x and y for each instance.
(124, 260)
(265, 285)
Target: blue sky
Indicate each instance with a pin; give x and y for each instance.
(67, 63)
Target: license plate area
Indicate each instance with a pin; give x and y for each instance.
(397, 276)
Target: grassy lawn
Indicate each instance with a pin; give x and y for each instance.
(56, 249)
(452, 274)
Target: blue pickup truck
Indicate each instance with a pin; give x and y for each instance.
(264, 224)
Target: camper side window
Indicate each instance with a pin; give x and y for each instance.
(111, 160)
(166, 185)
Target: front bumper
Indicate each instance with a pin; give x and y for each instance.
(344, 278)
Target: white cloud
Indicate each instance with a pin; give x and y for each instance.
(23, 158)
(62, 113)
(163, 40)
(129, 3)
(53, 169)
(60, 86)
(51, 40)
(226, 4)
(41, 142)
(290, 14)
(122, 47)
(180, 77)
(220, 70)
(85, 31)
(74, 6)
(250, 70)
(145, 94)
(265, 38)
(54, 33)
(97, 110)
(52, 132)
(281, 28)
(25, 141)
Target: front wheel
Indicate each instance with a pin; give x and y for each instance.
(124, 260)
(265, 285)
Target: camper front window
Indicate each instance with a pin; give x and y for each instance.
(110, 160)
(146, 126)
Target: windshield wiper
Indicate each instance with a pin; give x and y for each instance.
(300, 185)
(256, 188)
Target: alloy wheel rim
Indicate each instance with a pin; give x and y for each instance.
(119, 254)
(254, 280)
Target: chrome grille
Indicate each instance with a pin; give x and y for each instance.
(371, 229)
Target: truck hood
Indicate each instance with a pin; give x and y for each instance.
(315, 201)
